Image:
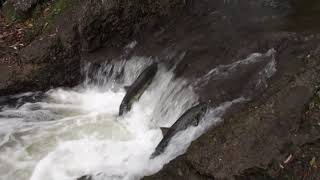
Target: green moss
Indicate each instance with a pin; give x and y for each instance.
(44, 15)
(53, 8)
(315, 102)
(58, 7)
(9, 12)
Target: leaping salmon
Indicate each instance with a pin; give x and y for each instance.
(192, 117)
(137, 88)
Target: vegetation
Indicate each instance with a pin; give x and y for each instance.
(10, 13)
(315, 102)
(40, 18)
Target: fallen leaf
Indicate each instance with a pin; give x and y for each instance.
(29, 23)
(313, 162)
(281, 166)
(288, 159)
(46, 11)
(45, 25)
(52, 35)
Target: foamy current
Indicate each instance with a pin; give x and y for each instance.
(69, 133)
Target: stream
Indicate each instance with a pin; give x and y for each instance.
(63, 134)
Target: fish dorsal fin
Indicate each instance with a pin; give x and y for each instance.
(164, 130)
(126, 88)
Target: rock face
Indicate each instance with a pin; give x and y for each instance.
(90, 25)
(102, 21)
(268, 139)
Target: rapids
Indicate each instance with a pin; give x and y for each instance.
(67, 133)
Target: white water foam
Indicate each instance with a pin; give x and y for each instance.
(76, 132)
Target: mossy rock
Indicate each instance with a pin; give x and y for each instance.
(34, 9)
(17, 10)
(9, 12)
(315, 102)
(40, 18)
(57, 8)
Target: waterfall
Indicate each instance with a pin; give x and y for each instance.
(63, 134)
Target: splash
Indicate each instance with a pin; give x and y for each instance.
(74, 132)
(69, 133)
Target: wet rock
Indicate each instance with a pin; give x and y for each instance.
(252, 143)
(101, 21)
(86, 177)
(260, 138)
(180, 170)
(256, 142)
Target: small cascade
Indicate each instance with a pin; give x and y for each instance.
(68, 133)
